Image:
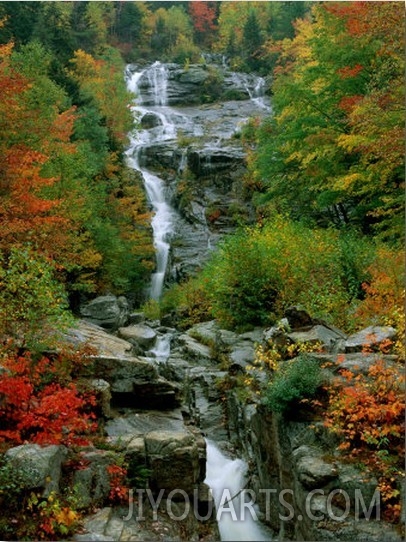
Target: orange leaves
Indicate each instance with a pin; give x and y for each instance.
(384, 294)
(22, 208)
(27, 139)
(369, 416)
(348, 71)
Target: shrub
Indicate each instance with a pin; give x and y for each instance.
(212, 87)
(384, 291)
(294, 380)
(367, 413)
(254, 274)
(259, 271)
(151, 309)
(189, 300)
(36, 406)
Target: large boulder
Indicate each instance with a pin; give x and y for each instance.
(323, 335)
(123, 373)
(104, 344)
(173, 458)
(195, 75)
(135, 382)
(210, 160)
(92, 481)
(174, 455)
(37, 467)
(312, 471)
(139, 335)
(107, 311)
(193, 350)
(150, 120)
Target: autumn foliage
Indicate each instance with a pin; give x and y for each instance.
(203, 15)
(334, 149)
(367, 413)
(40, 403)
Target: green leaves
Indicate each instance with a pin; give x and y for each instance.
(32, 302)
(256, 273)
(336, 137)
(293, 381)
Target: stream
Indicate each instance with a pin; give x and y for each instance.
(236, 514)
(163, 213)
(226, 477)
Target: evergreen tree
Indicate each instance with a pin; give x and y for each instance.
(252, 41)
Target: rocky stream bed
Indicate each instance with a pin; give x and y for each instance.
(161, 406)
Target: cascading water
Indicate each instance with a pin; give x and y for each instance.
(236, 515)
(226, 477)
(207, 131)
(163, 219)
(253, 85)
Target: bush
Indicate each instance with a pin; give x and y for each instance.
(189, 300)
(259, 271)
(256, 273)
(39, 404)
(32, 302)
(212, 88)
(367, 412)
(293, 381)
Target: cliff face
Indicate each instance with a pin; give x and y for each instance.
(303, 491)
(196, 150)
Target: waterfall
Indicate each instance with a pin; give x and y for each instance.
(162, 348)
(163, 219)
(254, 86)
(210, 128)
(158, 80)
(235, 513)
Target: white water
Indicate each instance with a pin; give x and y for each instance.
(255, 91)
(170, 119)
(162, 348)
(163, 218)
(226, 478)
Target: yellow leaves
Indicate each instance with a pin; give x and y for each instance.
(84, 66)
(351, 142)
(289, 112)
(66, 516)
(6, 50)
(348, 182)
(318, 85)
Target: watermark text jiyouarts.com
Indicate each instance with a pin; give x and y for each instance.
(239, 508)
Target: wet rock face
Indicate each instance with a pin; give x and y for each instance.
(196, 149)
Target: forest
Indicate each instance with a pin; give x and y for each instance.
(325, 175)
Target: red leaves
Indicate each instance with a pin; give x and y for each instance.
(34, 406)
(203, 15)
(118, 490)
(353, 13)
(349, 71)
